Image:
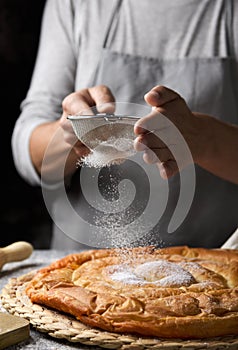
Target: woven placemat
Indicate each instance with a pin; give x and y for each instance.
(59, 325)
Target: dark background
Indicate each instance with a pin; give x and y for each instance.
(23, 213)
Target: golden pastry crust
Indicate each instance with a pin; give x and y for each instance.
(172, 292)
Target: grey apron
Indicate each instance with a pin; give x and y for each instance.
(207, 86)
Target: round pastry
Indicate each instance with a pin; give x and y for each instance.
(176, 292)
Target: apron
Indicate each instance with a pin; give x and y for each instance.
(147, 202)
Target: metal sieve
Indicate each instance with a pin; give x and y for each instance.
(94, 129)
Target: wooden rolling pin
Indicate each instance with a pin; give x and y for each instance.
(15, 252)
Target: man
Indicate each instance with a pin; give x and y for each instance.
(92, 53)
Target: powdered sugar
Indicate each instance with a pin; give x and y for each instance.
(112, 151)
(161, 273)
(126, 276)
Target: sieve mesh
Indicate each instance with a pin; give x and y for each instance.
(92, 130)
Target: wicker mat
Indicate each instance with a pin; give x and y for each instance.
(59, 325)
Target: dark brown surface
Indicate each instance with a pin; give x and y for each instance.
(23, 214)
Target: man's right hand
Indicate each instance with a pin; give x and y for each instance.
(81, 103)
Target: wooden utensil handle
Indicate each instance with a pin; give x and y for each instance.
(17, 251)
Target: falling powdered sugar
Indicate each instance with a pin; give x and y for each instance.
(122, 223)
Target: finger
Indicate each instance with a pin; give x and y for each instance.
(77, 102)
(150, 157)
(70, 138)
(160, 95)
(65, 124)
(154, 122)
(163, 154)
(103, 97)
(68, 132)
(162, 170)
(81, 150)
(168, 169)
(148, 140)
(140, 127)
(139, 145)
(152, 140)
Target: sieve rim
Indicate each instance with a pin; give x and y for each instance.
(105, 117)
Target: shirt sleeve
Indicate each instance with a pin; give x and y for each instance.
(53, 79)
(234, 39)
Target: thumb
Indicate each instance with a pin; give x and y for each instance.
(160, 95)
